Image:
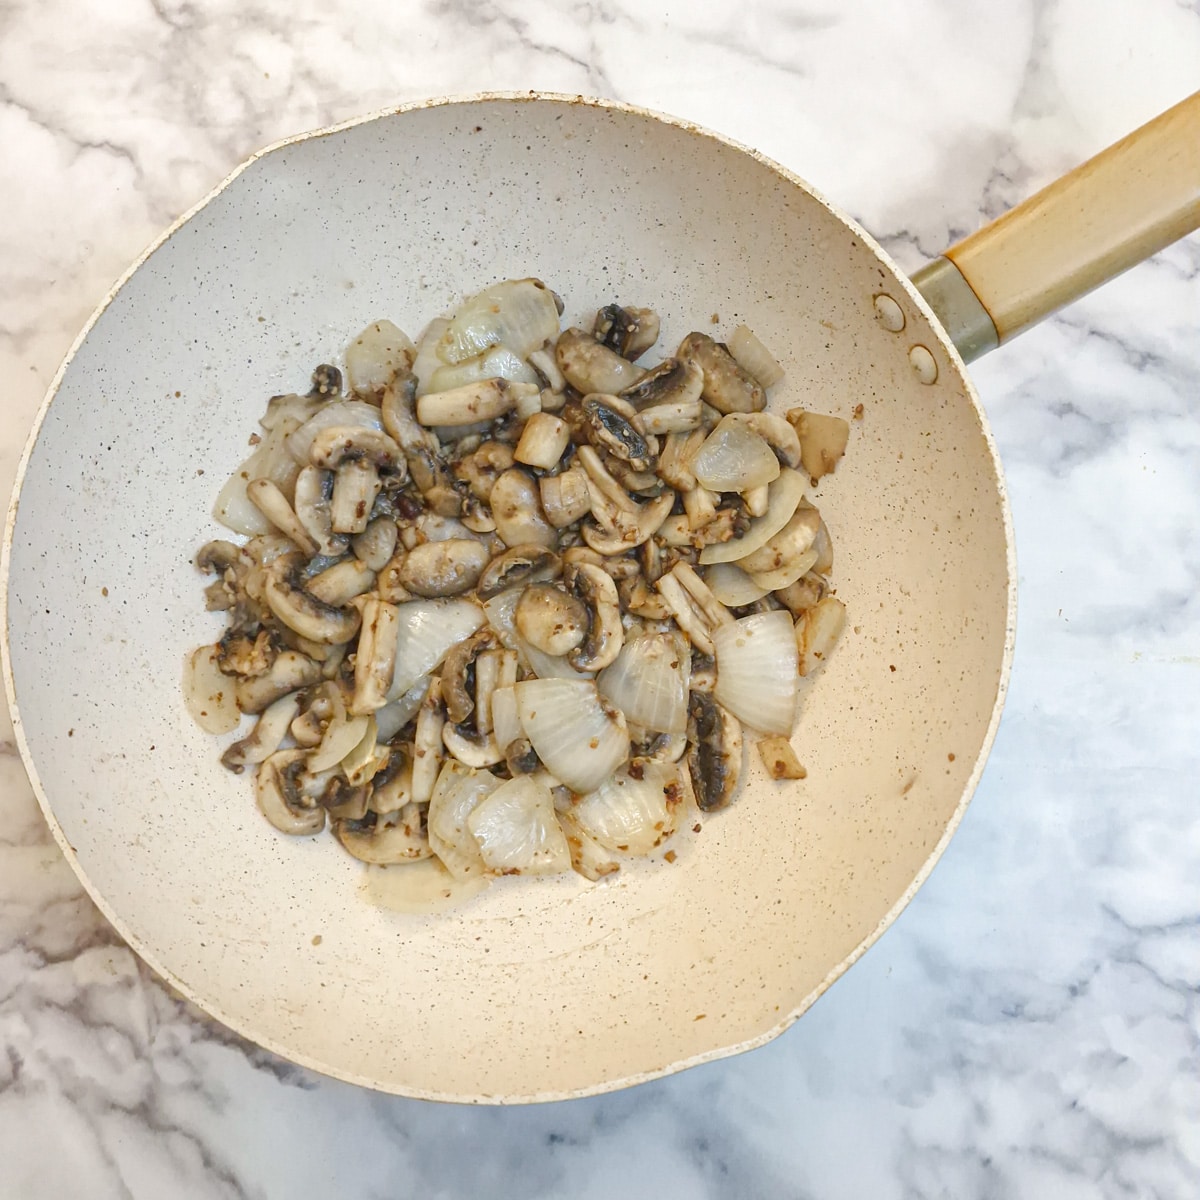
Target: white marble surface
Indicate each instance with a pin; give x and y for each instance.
(1031, 1025)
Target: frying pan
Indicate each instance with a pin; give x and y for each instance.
(547, 988)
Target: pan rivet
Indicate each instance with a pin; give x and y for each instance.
(888, 313)
(923, 364)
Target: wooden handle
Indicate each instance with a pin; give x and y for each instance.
(1112, 212)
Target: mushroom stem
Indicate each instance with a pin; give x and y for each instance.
(339, 584)
(273, 505)
(427, 743)
(355, 486)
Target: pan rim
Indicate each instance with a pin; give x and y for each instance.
(216, 1010)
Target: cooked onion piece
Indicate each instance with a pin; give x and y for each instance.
(633, 810)
(756, 670)
(517, 832)
(509, 598)
(580, 737)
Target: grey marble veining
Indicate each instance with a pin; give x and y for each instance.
(1031, 1026)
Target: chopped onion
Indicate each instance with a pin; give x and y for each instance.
(734, 458)
(427, 360)
(517, 831)
(340, 412)
(649, 682)
(506, 725)
(785, 576)
(393, 717)
(519, 313)
(581, 739)
(547, 666)
(270, 460)
(753, 357)
(588, 857)
(498, 363)
(756, 670)
(500, 611)
(340, 739)
(456, 795)
(817, 633)
(629, 813)
(375, 356)
(785, 495)
(732, 586)
(208, 693)
(361, 764)
(427, 629)
(291, 410)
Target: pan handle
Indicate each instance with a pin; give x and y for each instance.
(1108, 214)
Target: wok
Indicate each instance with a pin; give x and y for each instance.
(548, 988)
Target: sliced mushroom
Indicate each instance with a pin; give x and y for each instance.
(628, 331)
(302, 612)
(714, 755)
(240, 654)
(281, 801)
(314, 496)
(726, 386)
(427, 743)
(552, 620)
(605, 634)
(521, 758)
(387, 583)
(517, 508)
(343, 800)
(217, 557)
(542, 361)
(357, 455)
(375, 659)
(645, 524)
(326, 383)
(472, 403)
(613, 431)
(394, 838)
(590, 366)
(674, 461)
(339, 444)
(267, 735)
(674, 382)
(397, 411)
(795, 539)
(446, 568)
(340, 583)
(483, 466)
(456, 689)
(288, 673)
(273, 505)
(376, 544)
(565, 497)
(391, 789)
(517, 567)
(470, 747)
(660, 747)
(542, 441)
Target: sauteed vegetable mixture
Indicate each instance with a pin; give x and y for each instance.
(510, 596)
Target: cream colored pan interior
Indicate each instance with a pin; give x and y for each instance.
(536, 989)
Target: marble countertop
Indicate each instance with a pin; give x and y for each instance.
(1030, 1027)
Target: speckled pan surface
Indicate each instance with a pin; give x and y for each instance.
(536, 989)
